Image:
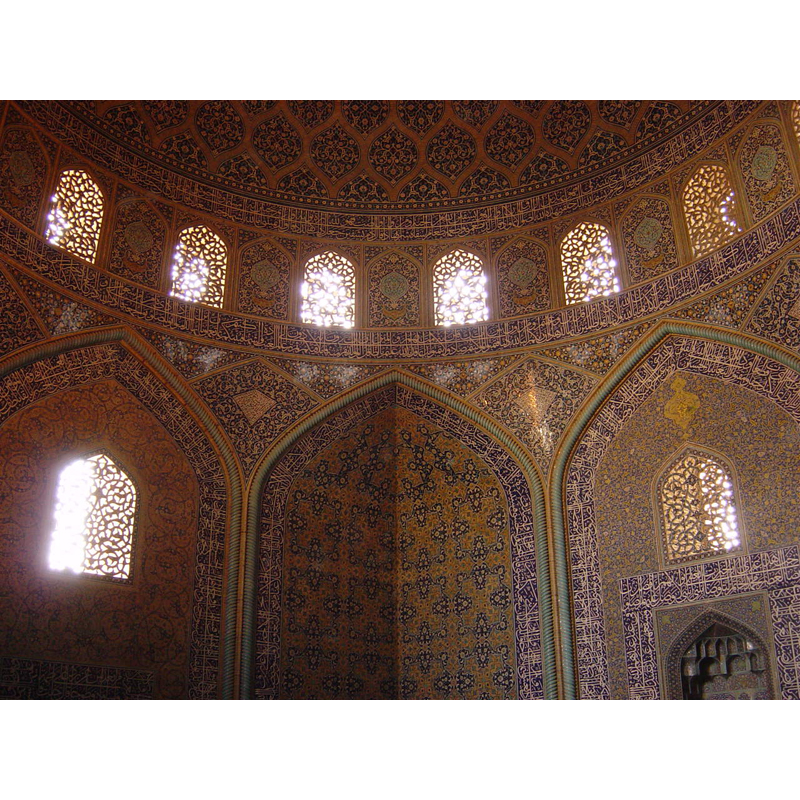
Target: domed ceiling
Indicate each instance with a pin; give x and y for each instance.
(388, 154)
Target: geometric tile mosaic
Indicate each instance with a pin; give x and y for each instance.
(254, 404)
(326, 380)
(600, 353)
(50, 376)
(189, 358)
(747, 250)
(60, 314)
(777, 315)
(16, 323)
(450, 149)
(535, 403)
(336, 427)
(729, 307)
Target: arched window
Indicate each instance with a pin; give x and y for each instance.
(94, 519)
(198, 270)
(697, 507)
(329, 291)
(76, 214)
(459, 289)
(709, 205)
(588, 264)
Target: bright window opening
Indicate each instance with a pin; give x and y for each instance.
(588, 263)
(76, 214)
(459, 287)
(698, 508)
(709, 204)
(94, 519)
(198, 269)
(329, 292)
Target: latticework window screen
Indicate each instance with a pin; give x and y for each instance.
(709, 206)
(588, 264)
(76, 214)
(697, 508)
(459, 289)
(329, 291)
(198, 269)
(94, 519)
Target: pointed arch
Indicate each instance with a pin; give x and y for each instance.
(697, 506)
(588, 266)
(571, 444)
(673, 678)
(462, 415)
(226, 486)
(76, 214)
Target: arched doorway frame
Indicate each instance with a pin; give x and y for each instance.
(260, 476)
(689, 634)
(574, 436)
(180, 389)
